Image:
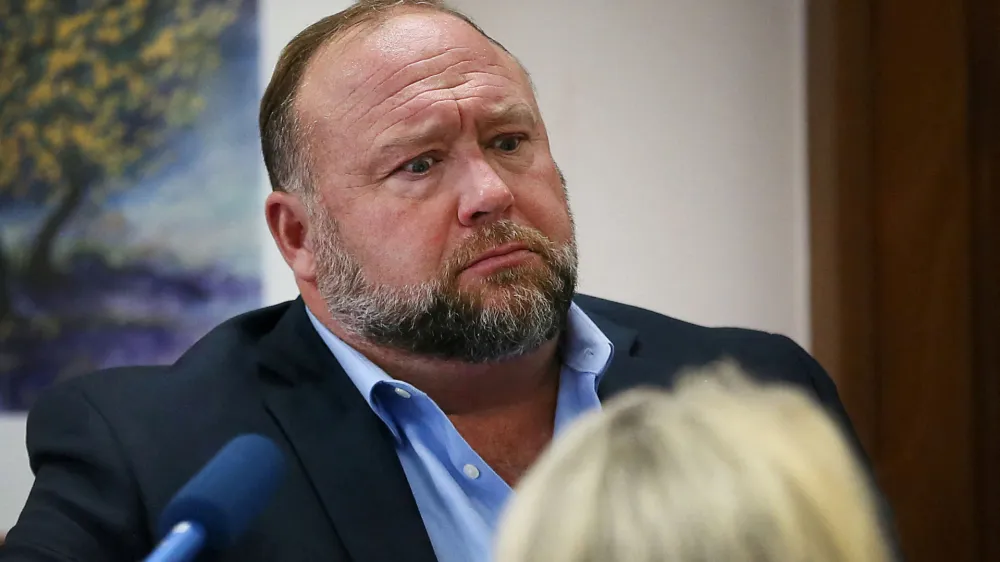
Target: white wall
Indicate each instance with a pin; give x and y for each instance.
(680, 125)
(15, 476)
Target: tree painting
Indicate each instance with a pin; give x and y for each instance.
(128, 175)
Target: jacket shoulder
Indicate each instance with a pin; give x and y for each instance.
(647, 323)
(677, 344)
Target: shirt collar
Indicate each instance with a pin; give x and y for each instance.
(585, 350)
(363, 373)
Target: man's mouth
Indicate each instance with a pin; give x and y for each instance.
(505, 255)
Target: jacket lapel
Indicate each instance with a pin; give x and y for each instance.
(346, 451)
(628, 369)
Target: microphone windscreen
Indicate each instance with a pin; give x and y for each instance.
(229, 492)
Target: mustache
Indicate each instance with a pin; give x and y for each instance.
(496, 234)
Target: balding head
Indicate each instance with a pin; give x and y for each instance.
(282, 142)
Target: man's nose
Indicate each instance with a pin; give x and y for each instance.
(486, 196)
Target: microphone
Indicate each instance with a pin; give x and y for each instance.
(219, 503)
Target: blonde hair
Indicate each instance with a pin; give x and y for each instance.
(721, 469)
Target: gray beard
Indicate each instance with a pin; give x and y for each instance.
(528, 306)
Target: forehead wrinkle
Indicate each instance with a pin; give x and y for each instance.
(422, 101)
(486, 84)
(418, 84)
(499, 113)
(361, 92)
(511, 112)
(416, 66)
(458, 92)
(332, 114)
(422, 130)
(426, 60)
(425, 98)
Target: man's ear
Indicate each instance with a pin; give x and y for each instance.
(288, 221)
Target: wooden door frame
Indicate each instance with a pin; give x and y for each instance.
(849, 146)
(841, 205)
(984, 101)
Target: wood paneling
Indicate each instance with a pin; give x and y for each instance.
(904, 118)
(923, 296)
(841, 201)
(984, 103)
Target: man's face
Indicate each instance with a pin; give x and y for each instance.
(440, 224)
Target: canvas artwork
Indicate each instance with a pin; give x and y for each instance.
(128, 182)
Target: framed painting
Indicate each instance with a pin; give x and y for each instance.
(128, 180)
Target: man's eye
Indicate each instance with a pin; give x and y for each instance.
(419, 165)
(507, 143)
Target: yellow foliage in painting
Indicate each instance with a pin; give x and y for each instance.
(38, 37)
(35, 6)
(10, 151)
(61, 60)
(135, 82)
(55, 136)
(109, 34)
(161, 48)
(46, 165)
(102, 74)
(111, 16)
(71, 99)
(41, 94)
(27, 130)
(69, 26)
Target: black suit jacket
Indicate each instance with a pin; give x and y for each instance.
(110, 449)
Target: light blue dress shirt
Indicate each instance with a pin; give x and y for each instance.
(459, 496)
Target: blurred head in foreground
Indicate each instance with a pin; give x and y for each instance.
(718, 470)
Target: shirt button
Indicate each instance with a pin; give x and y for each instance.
(402, 392)
(471, 471)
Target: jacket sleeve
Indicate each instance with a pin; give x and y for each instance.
(826, 392)
(84, 504)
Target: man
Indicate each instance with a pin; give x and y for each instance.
(436, 347)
